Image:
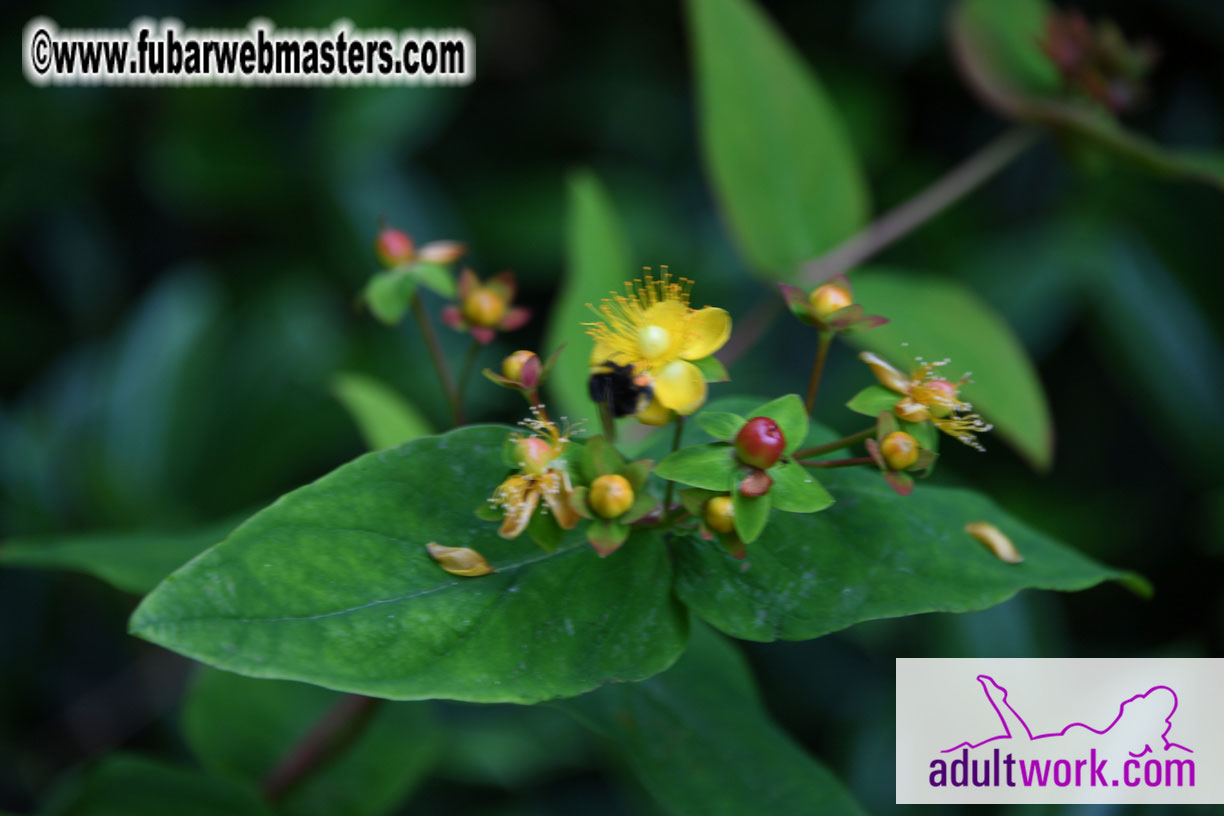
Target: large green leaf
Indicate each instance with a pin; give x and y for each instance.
(775, 149)
(384, 418)
(134, 561)
(124, 785)
(332, 585)
(699, 740)
(940, 319)
(598, 261)
(998, 51)
(873, 554)
(242, 728)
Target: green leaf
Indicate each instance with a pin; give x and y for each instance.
(699, 740)
(999, 54)
(710, 466)
(775, 148)
(332, 585)
(873, 554)
(694, 498)
(751, 514)
(872, 400)
(242, 728)
(134, 561)
(941, 319)
(720, 425)
(796, 490)
(598, 458)
(384, 417)
(436, 278)
(389, 294)
(598, 260)
(791, 416)
(126, 785)
(712, 370)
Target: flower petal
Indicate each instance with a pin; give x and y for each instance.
(565, 515)
(451, 317)
(516, 317)
(503, 284)
(708, 330)
(483, 336)
(518, 515)
(888, 376)
(680, 387)
(467, 282)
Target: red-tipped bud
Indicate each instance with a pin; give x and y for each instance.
(900, 450)
(393, 247)
(720, 514)
(760, 443)
(610, 496)
(483, 307)
(534, 455)
(828, 299)
(523, 367)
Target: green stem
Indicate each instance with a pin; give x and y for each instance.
(465, 373)
(822, 352)
(836, 463)
(837, 444)
(439, 359)
(947, 190)
(671, 486)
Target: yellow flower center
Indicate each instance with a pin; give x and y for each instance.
(653, 340)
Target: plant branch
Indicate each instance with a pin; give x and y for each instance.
(331, 734)
(439, 359)
(895, 224)
(837, 444)
(822, 352)
(836, 463)
(465, 373)
(671, 486)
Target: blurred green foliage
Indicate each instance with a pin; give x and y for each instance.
(180, 277)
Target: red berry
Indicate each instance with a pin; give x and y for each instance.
(760, 443)
(393, 247)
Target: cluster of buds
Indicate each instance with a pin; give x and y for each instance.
(485, 307)
(1097, 61)
(830, 307)
(923, 395)
(394, 248)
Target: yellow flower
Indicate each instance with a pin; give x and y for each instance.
(542, 474)
(653, 329)
(925, 395)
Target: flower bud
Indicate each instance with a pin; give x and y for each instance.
(655, 414)
(756, 483)
(911, 410)
(900, 450)
(828, 299)
(393, 247)
(522, 366)
(483, 307)
(534, 455)
(995, 541)
(459, 560)
(720, 514)
(442, 252)
(760, 443)
(610, 496)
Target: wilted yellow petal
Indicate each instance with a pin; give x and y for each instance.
(995, 541)
(708, 330)
(518, 515)
(680, 387)
(459, 560)
(888, 376)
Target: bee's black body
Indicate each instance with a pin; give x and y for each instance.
(616, 387)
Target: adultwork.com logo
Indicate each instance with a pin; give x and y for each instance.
(1134, 749)
(1060, 731)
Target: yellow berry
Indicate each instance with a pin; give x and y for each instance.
(610, 496)
(483, 307)
(828, 299)
(512, 366)
(720, 514)
(655, 414)
(900, 450)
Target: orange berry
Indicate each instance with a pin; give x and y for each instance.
(610, 496)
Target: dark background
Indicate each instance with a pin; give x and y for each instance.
(180, 268)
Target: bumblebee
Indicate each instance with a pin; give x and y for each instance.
(616, 389)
